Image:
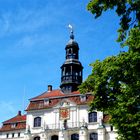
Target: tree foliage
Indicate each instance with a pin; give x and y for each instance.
(127, 10)
(115, 81)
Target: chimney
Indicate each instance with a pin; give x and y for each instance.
(19, 113)
(49, 88)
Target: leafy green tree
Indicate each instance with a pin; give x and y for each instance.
(127, 10)
(115, 81)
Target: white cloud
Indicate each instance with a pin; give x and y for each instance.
(30, 20)
(21, 22)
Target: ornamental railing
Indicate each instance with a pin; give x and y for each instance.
(71, 79)
(70, 125)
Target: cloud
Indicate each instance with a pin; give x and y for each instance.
(32, 19)
(23, 21)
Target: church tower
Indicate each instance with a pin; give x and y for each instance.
(71, 70)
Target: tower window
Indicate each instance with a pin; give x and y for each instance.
(70, 51)
(37, 122)
(92, 117)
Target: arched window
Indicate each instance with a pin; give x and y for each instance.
(93, 136)
(75, 137)
(54, 137)
(37, 138)
(37, 122)
(92, 117)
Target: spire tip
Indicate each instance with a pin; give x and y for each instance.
(71, 31)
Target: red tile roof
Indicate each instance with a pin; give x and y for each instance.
(53, 93)
(8, 127)
(55, 96)
(16, 123)
(18, 118)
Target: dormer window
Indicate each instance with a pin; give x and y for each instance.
(46, 101)
(83, 98)
(37, 122)
(14, 125)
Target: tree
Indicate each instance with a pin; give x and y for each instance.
(115, 81)
(127, 10)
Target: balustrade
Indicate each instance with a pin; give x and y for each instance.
(71, 78)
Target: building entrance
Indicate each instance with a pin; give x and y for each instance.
(75, 137)
(54, 137)
(37, 138)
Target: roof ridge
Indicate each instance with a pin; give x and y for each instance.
(10, 120)
(45, 92)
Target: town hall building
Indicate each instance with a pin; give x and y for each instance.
(61, 114)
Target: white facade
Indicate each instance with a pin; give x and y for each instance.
(12, 135)
(77, 123)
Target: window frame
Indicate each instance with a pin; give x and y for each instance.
(37, 122)
(92, 117)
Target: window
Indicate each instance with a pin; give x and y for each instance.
(19, 134)
(111, 128)
(83, 98)
(75, 137)
(46, 101)
(7, 135)
(92, 117)
(93, 136)
(14, 125)
(13, 135)
(37, 122)
(37, 138)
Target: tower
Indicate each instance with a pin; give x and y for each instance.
(71, 70)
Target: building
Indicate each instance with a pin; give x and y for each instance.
(61, 114)
(14, 128)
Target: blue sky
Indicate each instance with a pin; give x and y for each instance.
(33, 36)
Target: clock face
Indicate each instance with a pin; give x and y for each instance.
(64, 113)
